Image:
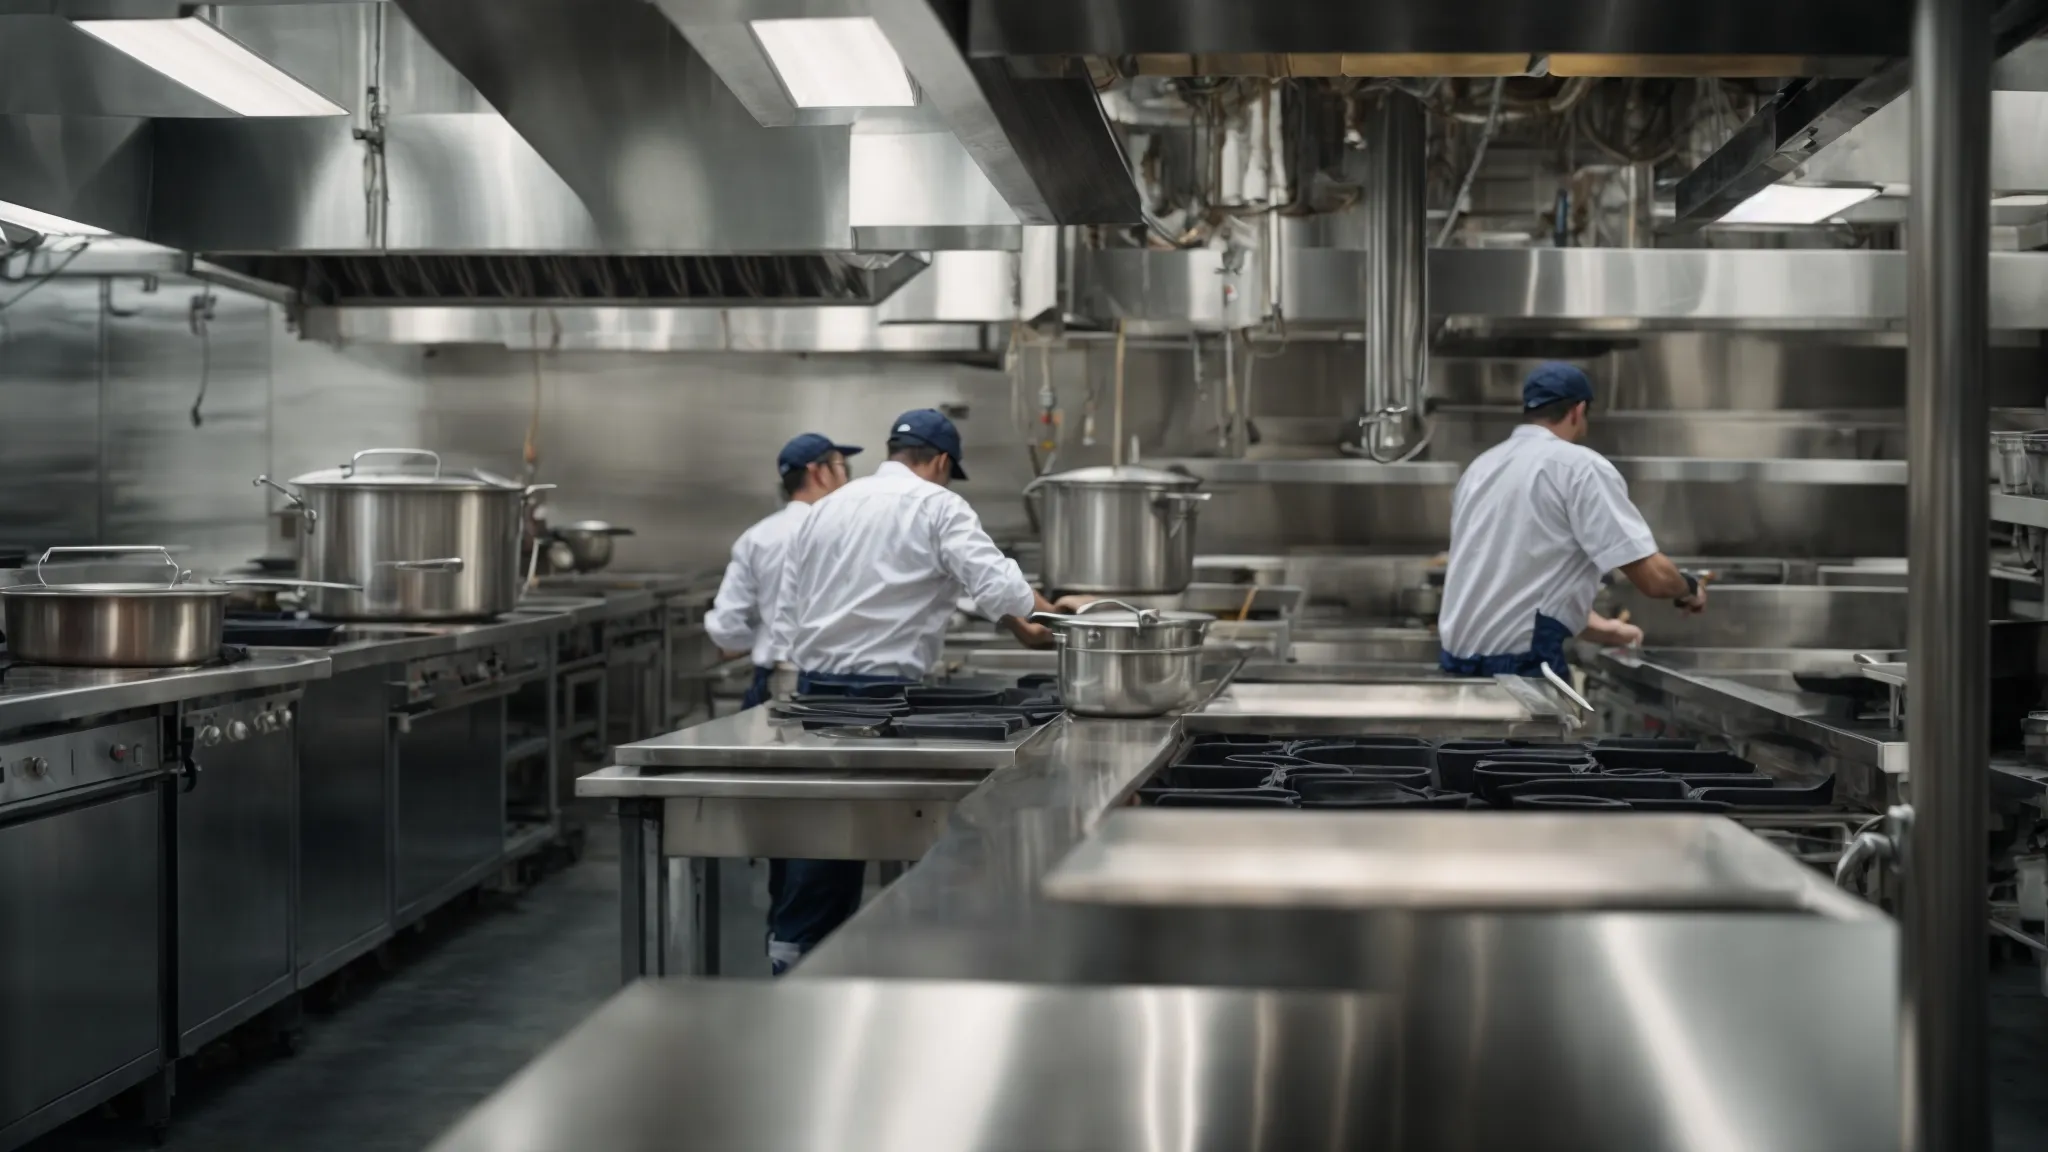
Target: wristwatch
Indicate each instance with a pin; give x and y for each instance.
(1692, 590)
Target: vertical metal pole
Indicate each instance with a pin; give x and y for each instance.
(1943, 1023)
(1396, 202)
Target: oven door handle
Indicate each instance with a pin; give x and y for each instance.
(462, 698)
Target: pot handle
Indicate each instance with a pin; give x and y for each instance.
(1183, 507)
(297, 502)
(533, 490)
(1146, 616)
(357, 460)
(444, 564)
(178, 575)
(257, 582)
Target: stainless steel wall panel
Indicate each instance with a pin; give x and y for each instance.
(167, 481)
(49, 406)
(472, 183)
(682, 448)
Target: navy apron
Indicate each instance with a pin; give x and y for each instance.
(758, 691)
(1546, 646)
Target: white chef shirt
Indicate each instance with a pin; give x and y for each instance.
(1535, 522)
(744, 611)
(872, 576)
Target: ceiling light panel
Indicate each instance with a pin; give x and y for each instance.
(842, 62)
(210, 62)
(1792, 204)
(45, 223)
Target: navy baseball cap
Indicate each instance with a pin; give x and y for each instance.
(931, 429)
(808, 449)
(1552, 382)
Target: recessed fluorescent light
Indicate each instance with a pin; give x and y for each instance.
(45, 223)
(211, 63)
(1792, 204)
(842, 62)
(2032, 200)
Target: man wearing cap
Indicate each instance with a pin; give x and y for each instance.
(869, 585)
(1535, 522)
(744, 611)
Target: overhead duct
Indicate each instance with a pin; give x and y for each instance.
(1039, 140)
(1729, 28)
(1395, 268)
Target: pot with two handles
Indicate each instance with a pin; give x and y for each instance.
(1125, 530)
(167, 623)
(423, 541)
(1116, 660)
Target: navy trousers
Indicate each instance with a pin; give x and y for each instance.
(807, 899)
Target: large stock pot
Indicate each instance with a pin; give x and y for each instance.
(1127, 530)
(424, 542)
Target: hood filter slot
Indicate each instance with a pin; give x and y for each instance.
(536, 279)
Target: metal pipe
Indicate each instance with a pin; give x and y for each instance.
(1395, 266)
(1944, 956)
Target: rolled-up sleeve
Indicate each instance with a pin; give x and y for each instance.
(1605, 521)
(991, 580)
(735, 612)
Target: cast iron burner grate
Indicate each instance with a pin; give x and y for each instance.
(992, 712)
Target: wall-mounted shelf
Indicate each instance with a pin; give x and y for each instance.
(1649, 469)
(2029, 510)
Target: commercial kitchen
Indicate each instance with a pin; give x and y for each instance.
(387, 383)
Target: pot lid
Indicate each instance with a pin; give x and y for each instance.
(1129, 474)
(405, 468)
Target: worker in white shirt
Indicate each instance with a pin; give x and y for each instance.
(1535, 522)
(870, 582)
(744, 611)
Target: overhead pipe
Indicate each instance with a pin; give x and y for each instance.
(1943, 1025)
(1395, 267)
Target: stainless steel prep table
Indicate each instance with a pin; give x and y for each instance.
(1583, 1031)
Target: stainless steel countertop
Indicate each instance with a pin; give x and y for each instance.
(585, 607)
(752, 740)
(776, 784)
(32, 694)
(1592, 1055)
(1348, 1029)
(399, 641)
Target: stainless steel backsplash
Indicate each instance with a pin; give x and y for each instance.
(97, 379)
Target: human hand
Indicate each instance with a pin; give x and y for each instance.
(1033, 635)
(1627, 636)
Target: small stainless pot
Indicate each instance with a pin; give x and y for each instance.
(1128, 530)
(1120, 661)
(122, 625)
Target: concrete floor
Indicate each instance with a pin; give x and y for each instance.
(400, 1058)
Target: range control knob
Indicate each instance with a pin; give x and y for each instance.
(482, 671)
(119, 752)
(266, 722)
(209, 736)
(284, 717)
(36, 767)
(237, 731)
